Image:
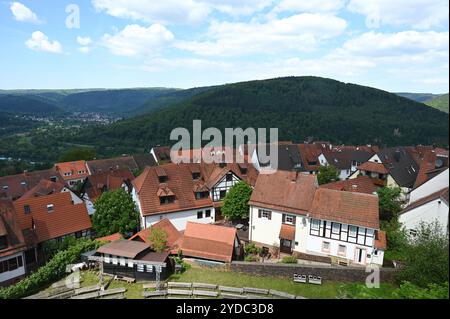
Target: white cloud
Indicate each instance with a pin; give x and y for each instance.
(39, 42)
(23, 14)
(238, 7)
(418, 14)
(135, 40)
(299, 32)
(84, 50)
(167, 11)
(84, 41)
(162, 64)
(313, 6)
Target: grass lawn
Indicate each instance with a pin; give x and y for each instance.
(328, 290)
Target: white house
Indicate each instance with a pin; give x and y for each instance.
(186, 192)
(290, 211)
(428, 209)
(433, 185)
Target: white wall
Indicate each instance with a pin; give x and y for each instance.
(180, 219)
(434, 210)
(432, 186)
(4, 276)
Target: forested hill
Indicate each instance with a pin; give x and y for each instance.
(299, 106)
(10, 103)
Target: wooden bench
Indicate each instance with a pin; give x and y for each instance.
(179, 285)
(126, 279)
(112, 292)
(204, 286)
(179, 292)
(86, 290)
(231, 289)
(91, 295)
(153, 294)
(256, 291)
(205, 293)
(232, 296)
(281, 294)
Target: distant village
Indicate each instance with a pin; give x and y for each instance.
(290, 213)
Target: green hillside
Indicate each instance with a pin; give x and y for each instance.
(27, 105)
(298, 106)
(440, 103)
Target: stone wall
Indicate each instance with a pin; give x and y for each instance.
(328, 273)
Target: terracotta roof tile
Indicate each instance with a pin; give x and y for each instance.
(99, 183)
(74, 169)
(208, 241)
(361, 184)
(380, 240)
(287, 232)
(173, 235)
(286, 191)
(66, 218)
(113, 237)
(9, 227)
(373, 167)
(45, 187)
(346, 207)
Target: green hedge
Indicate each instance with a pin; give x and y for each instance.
(54, 270)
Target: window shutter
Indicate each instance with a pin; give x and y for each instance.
(270, 215)
(259, 213)
(284, 218)
(294, 220)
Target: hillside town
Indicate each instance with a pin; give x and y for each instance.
(293, 212)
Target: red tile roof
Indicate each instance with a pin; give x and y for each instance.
(14, 186)
(99, 183)
(287, 232)
(173, 235)
(180, 182)
(346, 207)
(45, 187)
(373, 167)
(286, 191)
(113, 237)
(208, 241)
(74, 168)
(361, 184)
(9, 227)
(310, 154)
(66, 218)
(380, 240)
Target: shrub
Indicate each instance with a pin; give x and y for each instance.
(54, 270)
(251, 258)
(289, 260)
(158, 238)
(408, 290)
(251, 249)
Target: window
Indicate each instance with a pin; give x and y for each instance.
(353, 231)
(342, 251)
(149, 268)
(229, 177)
(130, 263)
(53, 179)
(335, 228)
(164, 200)
(12, 264)
(201, 195)
(50, 208)
(5, 187)
(107, 259)
(289, 219)
(315, 224)
(199, 215)
(265, 214)
(140, 268)
(326, 246)
(196, 175)
(208, 213)
(223, 194)
(78, 234)
(3, 242)
(27, 209)
(163, 179)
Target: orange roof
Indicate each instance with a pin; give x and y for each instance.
(380, 240)
(173, 235)
(76, 169)
(310, 156)
(113, 237)
(373, 167)
(208, 241)
(9, 227)
(181, 184)
(286, 191)
(65, 218)
(99, 183)
(45, 187)
(361, 184)
(346, 207)
(287, 232)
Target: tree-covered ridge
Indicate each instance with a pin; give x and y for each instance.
(440, 103)
(299, 106)
(10, 103)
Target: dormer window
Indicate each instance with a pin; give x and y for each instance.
(162, 175)
(3, 242)
(201, 195)
(164, 200)
(27, 209)
(163, 179)
(53, 179)
(5, 187)
(243, 168)
(196, 175)
(50, 208)
(23, 183)
(229, 177)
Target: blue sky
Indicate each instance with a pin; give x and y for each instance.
(395, 45)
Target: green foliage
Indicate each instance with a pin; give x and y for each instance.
(115, 212)
(408, 290)
(78, 154)
(251, 258)
(289, 260)
(397, 238)
(390, 202)
(251, 249)
(52, 247)
(440, 102)
(158, 238)
(426, 257)
(184, 265)
(54, 270)
(361, 291)
(327, 174)
(235, 205)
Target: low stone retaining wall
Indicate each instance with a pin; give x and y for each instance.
(328, 273)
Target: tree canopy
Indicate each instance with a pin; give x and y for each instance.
(158, 238)
(235, 205)
(327, 174)
(115, 212)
